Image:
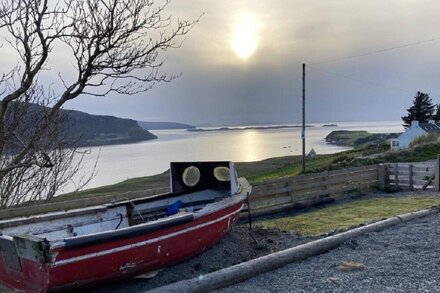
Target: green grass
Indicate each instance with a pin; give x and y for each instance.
(133, 184)
(351, 158)
(351, 214)
(417, 154)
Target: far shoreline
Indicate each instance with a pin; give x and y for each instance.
(247, 128)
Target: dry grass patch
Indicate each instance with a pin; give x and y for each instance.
(349, 266)
(351, 214)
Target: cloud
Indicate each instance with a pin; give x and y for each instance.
(218, 87)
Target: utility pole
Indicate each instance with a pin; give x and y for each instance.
(303, 132)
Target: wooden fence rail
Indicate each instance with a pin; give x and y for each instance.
(410, 176)
(312, 189)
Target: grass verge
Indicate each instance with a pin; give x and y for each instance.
(351, 214)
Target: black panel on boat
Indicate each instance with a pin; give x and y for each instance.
(133, 231)
(207, 177)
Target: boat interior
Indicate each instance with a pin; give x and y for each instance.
(194, 187)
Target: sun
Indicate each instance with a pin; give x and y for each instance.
(244, 40)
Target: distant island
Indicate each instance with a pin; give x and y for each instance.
(164, 125)
(246, 128)
(357, 138)
(330, 125)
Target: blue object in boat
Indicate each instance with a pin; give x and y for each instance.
(174, 208)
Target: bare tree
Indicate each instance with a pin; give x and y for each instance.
(116, 46)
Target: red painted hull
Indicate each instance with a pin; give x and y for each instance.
(120, 258)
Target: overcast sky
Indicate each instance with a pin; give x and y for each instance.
(220, 86)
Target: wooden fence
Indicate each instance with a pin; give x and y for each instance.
(312, 189)
(410, 176)
(268, 197)
(293, 192)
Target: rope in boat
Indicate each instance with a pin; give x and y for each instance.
(142, 218)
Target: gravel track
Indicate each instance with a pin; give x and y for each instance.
(404, 258)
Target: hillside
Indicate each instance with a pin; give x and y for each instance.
(95, 130)
(81, 128)
(164, 125)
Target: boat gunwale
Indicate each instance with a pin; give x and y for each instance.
(7, 223)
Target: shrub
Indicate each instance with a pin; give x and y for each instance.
(341, 158)
(424, 139)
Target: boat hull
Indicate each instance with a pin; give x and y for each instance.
(114, 260)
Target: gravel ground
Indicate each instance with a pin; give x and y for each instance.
(404, 258)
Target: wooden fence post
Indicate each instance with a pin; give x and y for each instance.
(290, 190)
(396, 175)
(384, 176)
(437, 174)
(410, 175)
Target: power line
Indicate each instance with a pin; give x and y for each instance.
(378, 51)
(366, 82)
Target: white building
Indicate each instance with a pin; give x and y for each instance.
(415, 130)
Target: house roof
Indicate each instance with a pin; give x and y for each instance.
(429, 127)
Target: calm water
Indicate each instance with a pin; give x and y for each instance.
(120, 162)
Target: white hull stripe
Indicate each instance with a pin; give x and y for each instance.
(138, 244)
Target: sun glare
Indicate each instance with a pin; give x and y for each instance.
(245, 35)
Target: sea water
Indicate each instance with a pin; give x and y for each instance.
(119, 162)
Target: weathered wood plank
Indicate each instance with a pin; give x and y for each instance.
(419, 182)
(311, 194)
(437, 175)
(290, 206)
(424, 168)
(360, 185)
(306, 195)
(75, 204)
(338, 173)
(271, 193)
(423, 173)
(337, 179)
(315, 189)
(384, 176)
(279, 200)
(411, 178)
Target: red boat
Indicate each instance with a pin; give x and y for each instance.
(59, 250)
